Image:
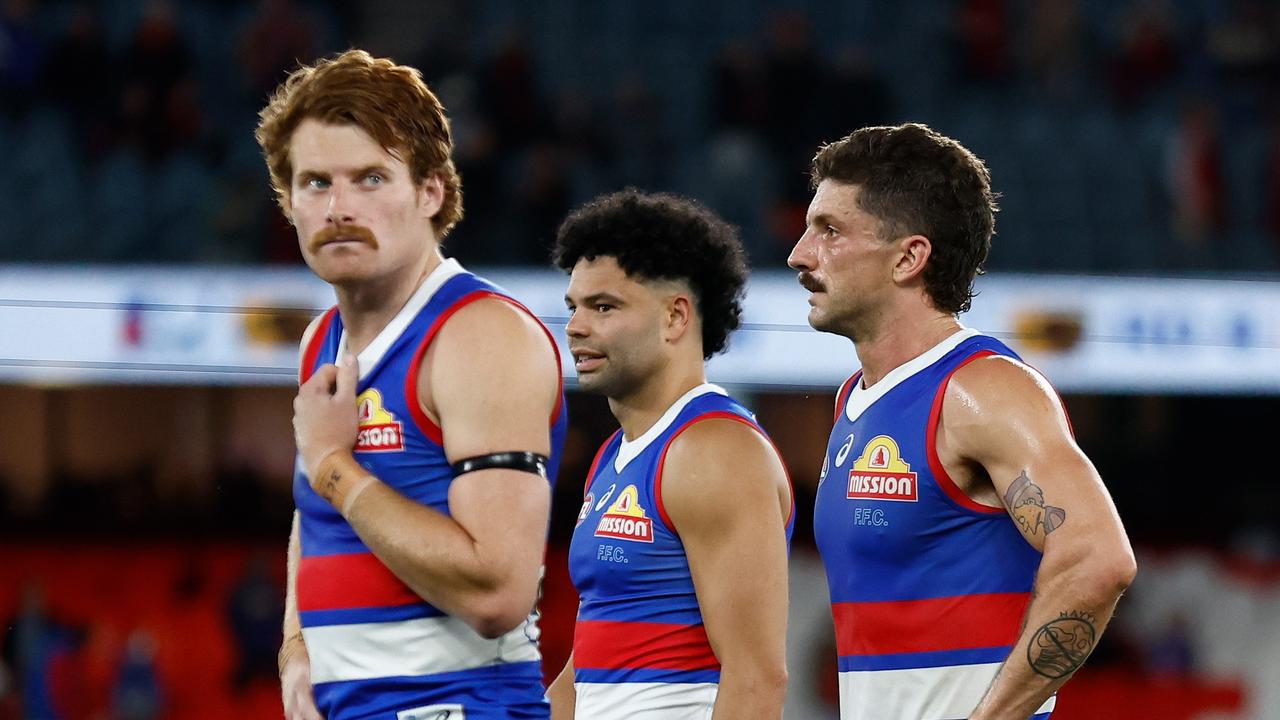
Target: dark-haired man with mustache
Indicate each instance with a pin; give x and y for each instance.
(430, 404)
(952, 486)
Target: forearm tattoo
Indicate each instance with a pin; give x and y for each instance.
(329, 486)
(1061, 646)
(1025, 501)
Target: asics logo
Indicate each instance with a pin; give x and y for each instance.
(605, 498)
(844, 450)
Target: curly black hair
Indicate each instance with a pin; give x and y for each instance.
(918, 181)
(659, 236)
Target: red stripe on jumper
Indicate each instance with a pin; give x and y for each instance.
(662, 458)
(940, 474)
(595, 464)
(910, 626)
(605, 645)
(354, 580)
(308, 366)
(842, 395)
(428, 426)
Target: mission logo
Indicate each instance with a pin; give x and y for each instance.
(379, 430)
(625, 519)
(881, 473)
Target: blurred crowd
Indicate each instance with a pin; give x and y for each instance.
(189, 630)
(1141, 135)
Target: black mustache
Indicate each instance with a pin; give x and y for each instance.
(809, 283)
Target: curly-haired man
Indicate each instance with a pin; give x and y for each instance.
(680, 550)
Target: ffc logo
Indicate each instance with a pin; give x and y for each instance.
(625, 519)
(882, 474)
(379, 429)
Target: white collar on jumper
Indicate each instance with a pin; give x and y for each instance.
(862, 398)
(370, 356)
(630, 449)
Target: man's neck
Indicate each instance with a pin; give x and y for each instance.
(368, 307)
(641, 409)
(900, 340)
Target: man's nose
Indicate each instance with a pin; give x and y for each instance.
(802, 256)
(340, 211)
(576, 327)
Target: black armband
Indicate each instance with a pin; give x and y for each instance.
(523, 461)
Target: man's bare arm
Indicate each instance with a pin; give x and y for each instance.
(1004, 417)
(726, 492)
(293, 663)
(562, 695)
(292, 627)
(493, 381)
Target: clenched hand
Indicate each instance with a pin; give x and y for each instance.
(324, 414)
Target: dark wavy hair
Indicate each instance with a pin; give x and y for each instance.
(658, 236)
(919, 182)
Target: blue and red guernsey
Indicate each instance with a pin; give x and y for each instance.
(377, 649)
(640, 650)
(928, 587)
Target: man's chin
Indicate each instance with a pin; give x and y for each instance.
(589, 383)
(597, 383)
(338, 273)
(818, 320)
(824, 322)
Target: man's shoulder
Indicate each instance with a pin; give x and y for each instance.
(493, 348)
(994, 381)
(495, 323)
(720, 440)
(995, 398)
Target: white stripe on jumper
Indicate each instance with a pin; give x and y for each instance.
(644, 701)
(937, 693)
(422, 646)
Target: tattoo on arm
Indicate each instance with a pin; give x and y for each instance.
(1061, 646)
(330, 487)
(1025, 501)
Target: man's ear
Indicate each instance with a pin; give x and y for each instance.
(914, 254)
(285, 200)
(431, 195)
(679, 316)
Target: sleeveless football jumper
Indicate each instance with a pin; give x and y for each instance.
(640, 651)
(377, 649)
(928, 587)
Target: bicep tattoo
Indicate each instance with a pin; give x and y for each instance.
(1061, 646)
(1025, 501)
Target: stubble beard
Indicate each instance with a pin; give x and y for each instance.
(605, 382)
(843, 324)
(617, 380)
